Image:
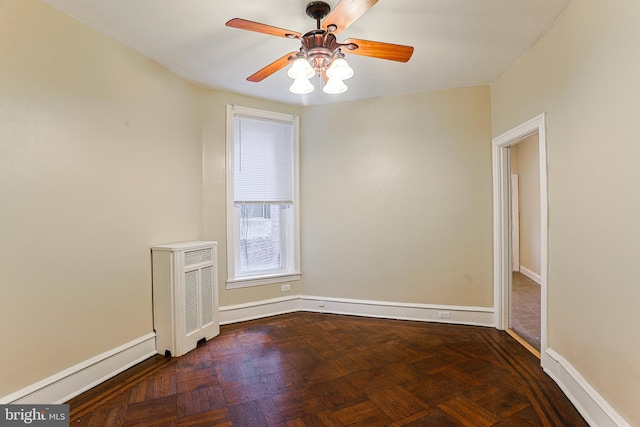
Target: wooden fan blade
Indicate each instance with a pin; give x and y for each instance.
(243, 24)
(345, 13)
(276, 65)
(392, 52)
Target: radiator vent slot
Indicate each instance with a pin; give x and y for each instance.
(191, 301)
(197, 257)
(207, 295)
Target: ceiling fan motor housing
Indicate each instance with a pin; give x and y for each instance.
(320, 47)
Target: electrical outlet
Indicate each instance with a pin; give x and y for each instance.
(286, 287)
(444, 315)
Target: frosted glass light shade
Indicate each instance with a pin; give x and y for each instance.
(334, 86)
(339, 69)
(301, 86)
(301, 69)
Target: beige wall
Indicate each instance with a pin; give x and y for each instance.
(100, 155)
(584, 74)
(356, 243)
(396, 197)
(525, 161)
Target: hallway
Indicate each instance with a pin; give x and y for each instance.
(525, 306)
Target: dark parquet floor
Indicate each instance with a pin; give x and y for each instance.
(309, 369)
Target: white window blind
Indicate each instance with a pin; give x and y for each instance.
(263, 161)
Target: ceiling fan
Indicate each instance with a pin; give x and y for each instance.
(321, 54)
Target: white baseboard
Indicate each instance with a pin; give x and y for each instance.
(591, 405)
(462, 315)
(531, 275)
(259, 309)
(69, 383)
(479, 316)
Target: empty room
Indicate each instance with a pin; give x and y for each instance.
(293, 213)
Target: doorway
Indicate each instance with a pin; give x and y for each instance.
(524, 322)
(503, 238)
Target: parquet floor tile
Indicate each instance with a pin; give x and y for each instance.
(309, 369)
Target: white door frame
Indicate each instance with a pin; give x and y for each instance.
(502, 222)
(515, 224)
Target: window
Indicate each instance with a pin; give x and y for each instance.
(262, 197)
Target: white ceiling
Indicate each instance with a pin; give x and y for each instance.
(457, 42)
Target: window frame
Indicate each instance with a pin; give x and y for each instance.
(291, 230)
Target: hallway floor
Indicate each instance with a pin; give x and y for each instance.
(525, 309)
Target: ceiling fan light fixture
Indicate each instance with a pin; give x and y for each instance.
(301, 86)
(320, 52)
(340, 69)
(334, 86)
(301, 69)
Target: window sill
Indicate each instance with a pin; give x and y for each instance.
(262, 280)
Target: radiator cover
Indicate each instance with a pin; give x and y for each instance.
(185, 295)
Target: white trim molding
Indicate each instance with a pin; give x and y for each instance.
(266, 280)
(531, 275)
(258, 309)
(290, 251)
(79, 378)
(502, 269)
(591, 405)
(463, 315)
